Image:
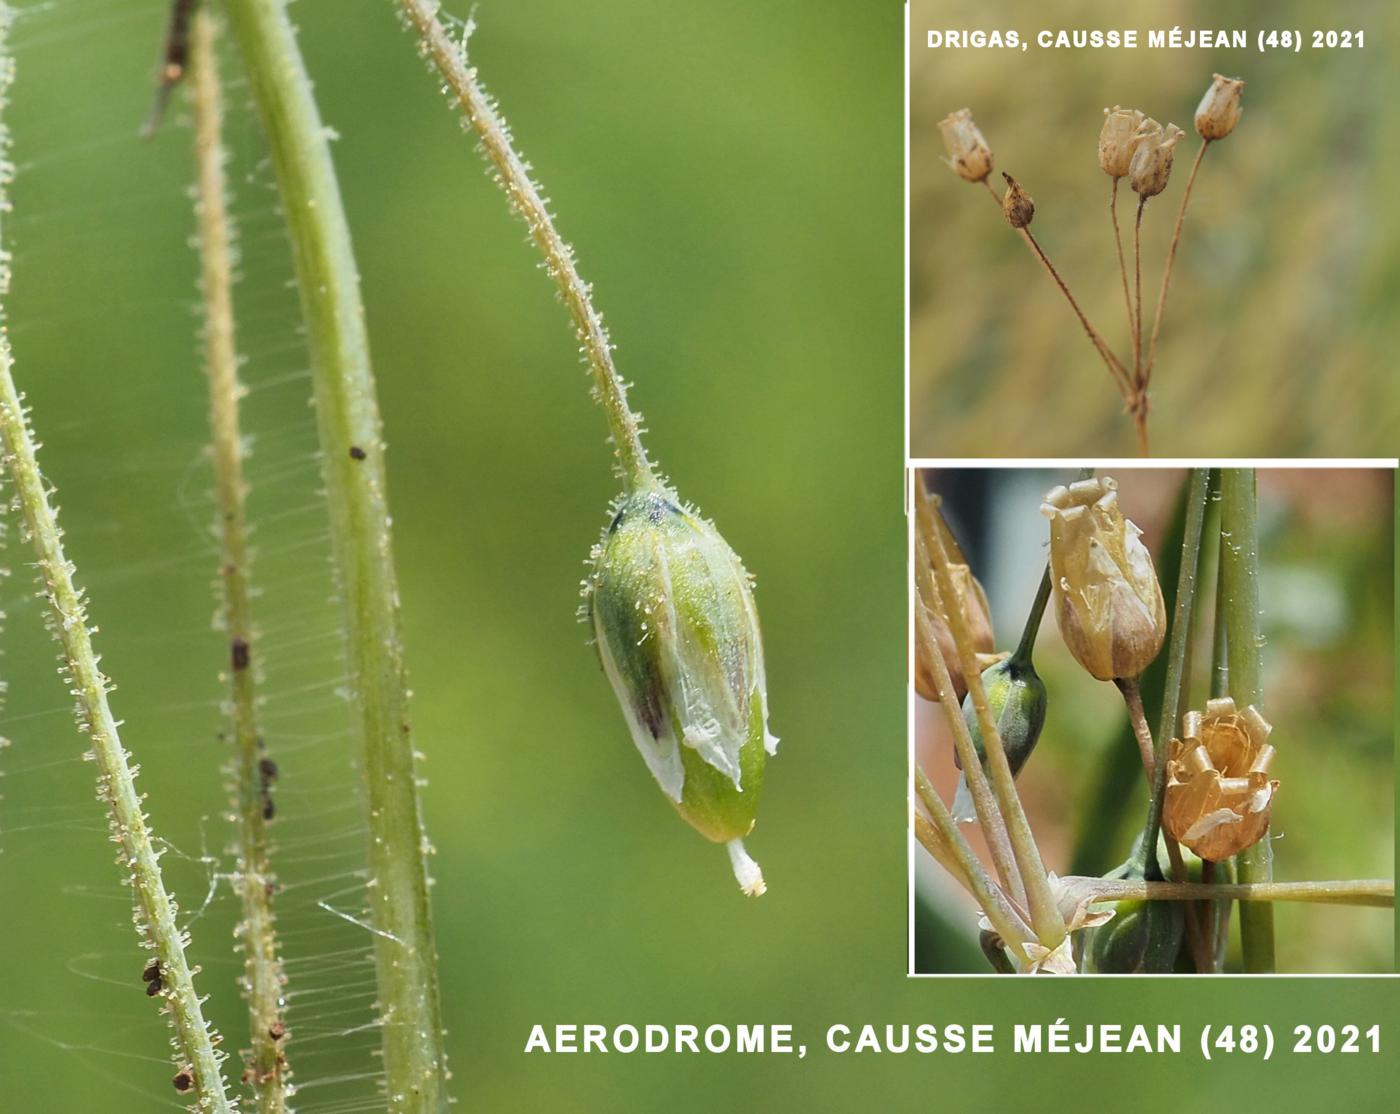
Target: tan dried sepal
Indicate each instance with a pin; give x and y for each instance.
(1219, 795)
(1118, 140)
(979, 620)
(1151, 167)
(968, 153)
(1108, 604)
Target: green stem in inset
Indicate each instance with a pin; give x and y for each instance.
(1219, 919)
(155, 910)
(931, 601)
(946, 843)
(352, 450)
(449, 59)
(1177, 647)
(1239, 583)
(1026, 647)
(1045, 914)
(1378, 893)
(267, 1071)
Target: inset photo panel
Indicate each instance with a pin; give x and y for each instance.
(1151, 229)
(1152, 720)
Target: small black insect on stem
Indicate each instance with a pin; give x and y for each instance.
(151, 977)
(174, 61)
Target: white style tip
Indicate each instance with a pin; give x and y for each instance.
(746, 872)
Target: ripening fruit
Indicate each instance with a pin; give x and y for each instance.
(1017, 698)
(673, 617)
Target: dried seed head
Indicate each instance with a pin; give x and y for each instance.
(1152, 160)
(1118, 140)
(1219, 110)
(1108, 603)
(975, 607)
(1219, 795)
(968, 153)
(677, 633)
(1017, 204)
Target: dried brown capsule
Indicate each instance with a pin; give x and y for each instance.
(1219, 795)
(1118, 140)
(968, 153)
(975, 606)
(1017, 204)
(1219, 110)
(1108, 603)
(1152, 160)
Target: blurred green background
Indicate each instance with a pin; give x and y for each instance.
(730, 176)
(1326, 546)
(1279, 336)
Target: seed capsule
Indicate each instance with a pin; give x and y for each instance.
(968, 153)
(929, 520)
(1219, 795)
(1118, 140)
(1143, 938)
(1108, 603)
(1017, 698)
(1152, 160)
(1017, 204)
(1219, 110)
(677, 633)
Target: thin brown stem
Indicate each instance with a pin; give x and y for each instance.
(1132, 697)
(1146, 375)
(1137, 316)
(1140, 424)
(1122, 261)
(1114, 365)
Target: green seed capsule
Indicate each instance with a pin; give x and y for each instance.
(1144, 938)
(674, 622)
(1017, 697)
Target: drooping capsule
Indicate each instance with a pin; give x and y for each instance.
(1017, 698)
(677, 633)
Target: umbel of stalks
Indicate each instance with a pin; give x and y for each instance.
(968, 153)
(1108, 603)
(1118, 140)
(674, 622)
(1151, 166)
(1219, 110)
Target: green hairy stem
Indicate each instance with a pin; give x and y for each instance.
(197, 1060)
(353, 469)
(268, 1073)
